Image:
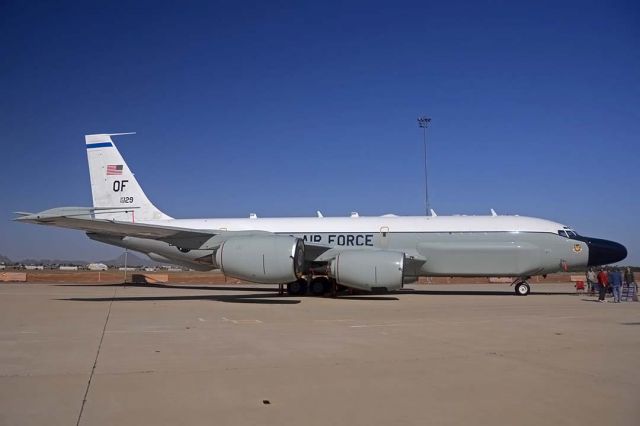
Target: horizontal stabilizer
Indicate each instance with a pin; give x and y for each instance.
(87, 212)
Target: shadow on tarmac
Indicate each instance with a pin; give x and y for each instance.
(283, 300)
(245, 298)
(366, 297)
(241, 298)
(265, 299)
(185, 287)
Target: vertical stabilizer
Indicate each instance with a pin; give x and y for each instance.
(114, 185)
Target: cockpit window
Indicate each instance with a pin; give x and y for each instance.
(567, 233)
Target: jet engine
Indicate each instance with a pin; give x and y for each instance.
(369, 270)
(270, 259)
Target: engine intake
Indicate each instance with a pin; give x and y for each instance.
(270, 259)
(368, 270)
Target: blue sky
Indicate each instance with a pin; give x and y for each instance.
(283, 108)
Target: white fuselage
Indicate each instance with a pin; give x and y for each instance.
(448, 245)
(387, 223)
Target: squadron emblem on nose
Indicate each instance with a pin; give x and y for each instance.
(577, 248)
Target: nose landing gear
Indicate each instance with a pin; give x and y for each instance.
(522, 287)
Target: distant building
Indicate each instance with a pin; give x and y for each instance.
(34, 267)
(68, 268)
(97, 267)
(2, 266)
(127, 269)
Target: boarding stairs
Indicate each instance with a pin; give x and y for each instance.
(629, 292)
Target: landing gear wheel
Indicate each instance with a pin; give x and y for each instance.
(522, 289)
(319, 286)
(297, 288)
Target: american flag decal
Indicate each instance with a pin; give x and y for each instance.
(114, 169)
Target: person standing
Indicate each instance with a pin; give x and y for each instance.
(603, 282)
(615, 279)
(631, 284)
(591, 281)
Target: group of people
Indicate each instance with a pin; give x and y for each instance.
(609, 278)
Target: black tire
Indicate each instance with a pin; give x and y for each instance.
(522, 289)
(297, 288)
(319, 286)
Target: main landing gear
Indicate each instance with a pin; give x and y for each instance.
(297, 288)
(522, 287)
(318, 286)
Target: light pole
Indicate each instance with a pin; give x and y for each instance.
(424, 122)
(126, 252)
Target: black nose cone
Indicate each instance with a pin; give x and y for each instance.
(603, 252)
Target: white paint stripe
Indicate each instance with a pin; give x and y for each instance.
(242, 321)
(378, 325)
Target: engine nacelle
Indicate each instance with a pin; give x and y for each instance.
(270, 259)
(368, 270)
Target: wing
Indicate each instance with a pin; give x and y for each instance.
(83, 218)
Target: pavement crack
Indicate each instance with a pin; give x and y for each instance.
(95, 361)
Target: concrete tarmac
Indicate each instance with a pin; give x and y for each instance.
(236, 355)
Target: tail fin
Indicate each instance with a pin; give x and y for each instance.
(114, 185)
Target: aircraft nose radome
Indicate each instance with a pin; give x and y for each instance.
(603, 252)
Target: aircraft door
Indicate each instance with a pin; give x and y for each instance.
(383, 237)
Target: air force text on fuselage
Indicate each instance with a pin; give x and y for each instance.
(348, 240)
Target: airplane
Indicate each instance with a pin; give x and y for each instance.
(319, 254)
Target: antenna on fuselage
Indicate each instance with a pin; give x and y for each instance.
(493, 213)
(433, 213)
(423, 123)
